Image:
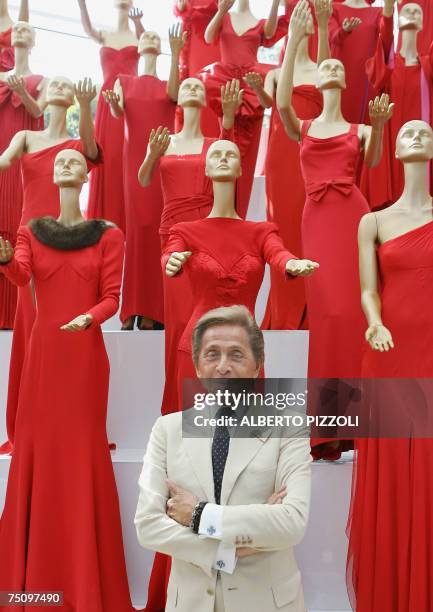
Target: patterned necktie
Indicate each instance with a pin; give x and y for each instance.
(220, 450)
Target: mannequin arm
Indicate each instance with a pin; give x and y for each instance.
(272, 20)
(288, 116)
(215, 24)
(380, 111)
(323, 9)
(159, 141)
(87, 24)
(264, 92)
(368, 270)
(14, 151)
(116, 100)
(19, 267)
(85, 92)
(177, 41)
(24, 14)
(136, 15)
(34, 107)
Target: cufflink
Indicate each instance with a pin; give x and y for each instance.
(211, 530)
(220, 563)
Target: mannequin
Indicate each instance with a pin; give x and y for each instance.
(196, 54)
(408, 78)
(37, 151)
(144, 102)
(286, 308)
(425, 37)
(6, 23)
(396, 248)
(238, 57)
(354, 29)
(330, 152)
(118, 55)
(22, 99)
(187, 196)
(65, 535)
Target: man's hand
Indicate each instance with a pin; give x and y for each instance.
(380, 111)
(85, 91)
(231, 97)
(80, 323)
(379, 338)
(159, 141)
(181, 504)
(177, 38)
(176, 261)
(17, 84)
(350, 24)
(6, 251)
(301, 267)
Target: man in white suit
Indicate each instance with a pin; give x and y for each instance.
(228, 510)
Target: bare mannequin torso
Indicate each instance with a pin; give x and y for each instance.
(400, 218)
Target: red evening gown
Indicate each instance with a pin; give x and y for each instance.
(146, 107)
(411, 89)
(106, 199)
(41, 197)
(60, 529)
(425, 37)
(239, 56)
(220, 276)
(197, 53)
(390, 565)
(354, 49)
(14, 117)
(7, 53)
(285, 191)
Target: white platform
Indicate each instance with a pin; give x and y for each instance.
(135, 392)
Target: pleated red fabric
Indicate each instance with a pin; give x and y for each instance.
(7, 54)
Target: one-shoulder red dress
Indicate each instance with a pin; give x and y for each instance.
(14, 117)
(106, 195)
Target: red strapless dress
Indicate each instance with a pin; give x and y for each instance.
(146, 107)
(7, 54)
(106, 197)
(14, 118)
(390, 536)
(285, 190)
(239, 56)
(41, 198)
(196, 54)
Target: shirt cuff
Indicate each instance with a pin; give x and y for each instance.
(211, 522)
(225, 559)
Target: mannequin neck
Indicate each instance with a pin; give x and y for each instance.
(243, 6)
(123, 20)
(57, 126)
(416, 186)
(191, 123)
(150, 60)
(22, 67)
(302, 54)
(70, 213)
(332, 106)
(224, 200)
(408, 45)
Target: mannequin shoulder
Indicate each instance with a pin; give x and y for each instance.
(368, 227)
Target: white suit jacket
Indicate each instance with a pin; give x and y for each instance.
(255, 468)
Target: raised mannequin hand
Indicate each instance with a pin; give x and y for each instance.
(17, 84)
(177, 38)
(323, 10)
(380, 111)
(225, 5)
(301, 267)
(299, 21)
(176, 261)
(112, 99)
(80, 323)
(379, 338)
(181, 5)
(254, 80)
(159, 141)
(135, 15)
(6, 251)
(350, 24)
(85, 91)
(231, 97)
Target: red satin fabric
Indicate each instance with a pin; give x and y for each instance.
(384, 183)
(220, 276)
(41, 197)
(425, 37)
(146, 107)
(7, 53)
(106, 195)
(61, 479)
(285, 190)
(239, 56)
(14, 118)
(390, 536)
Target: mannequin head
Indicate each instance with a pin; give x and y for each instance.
(223, 162)
(150, 42)
(123, 4)
(23, 35)
(60, 92)
(192, 93)
(332, 75)
(414, 142)
(70, 169)
(410, 17)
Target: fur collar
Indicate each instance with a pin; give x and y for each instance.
(53, 234)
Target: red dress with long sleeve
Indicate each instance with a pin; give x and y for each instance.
(106, 195)
(390, 536)
(285, 191)
(147, 106)
(239, 56)
(41, 197)
(60, 529)
(7, 53)
(14, 117)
